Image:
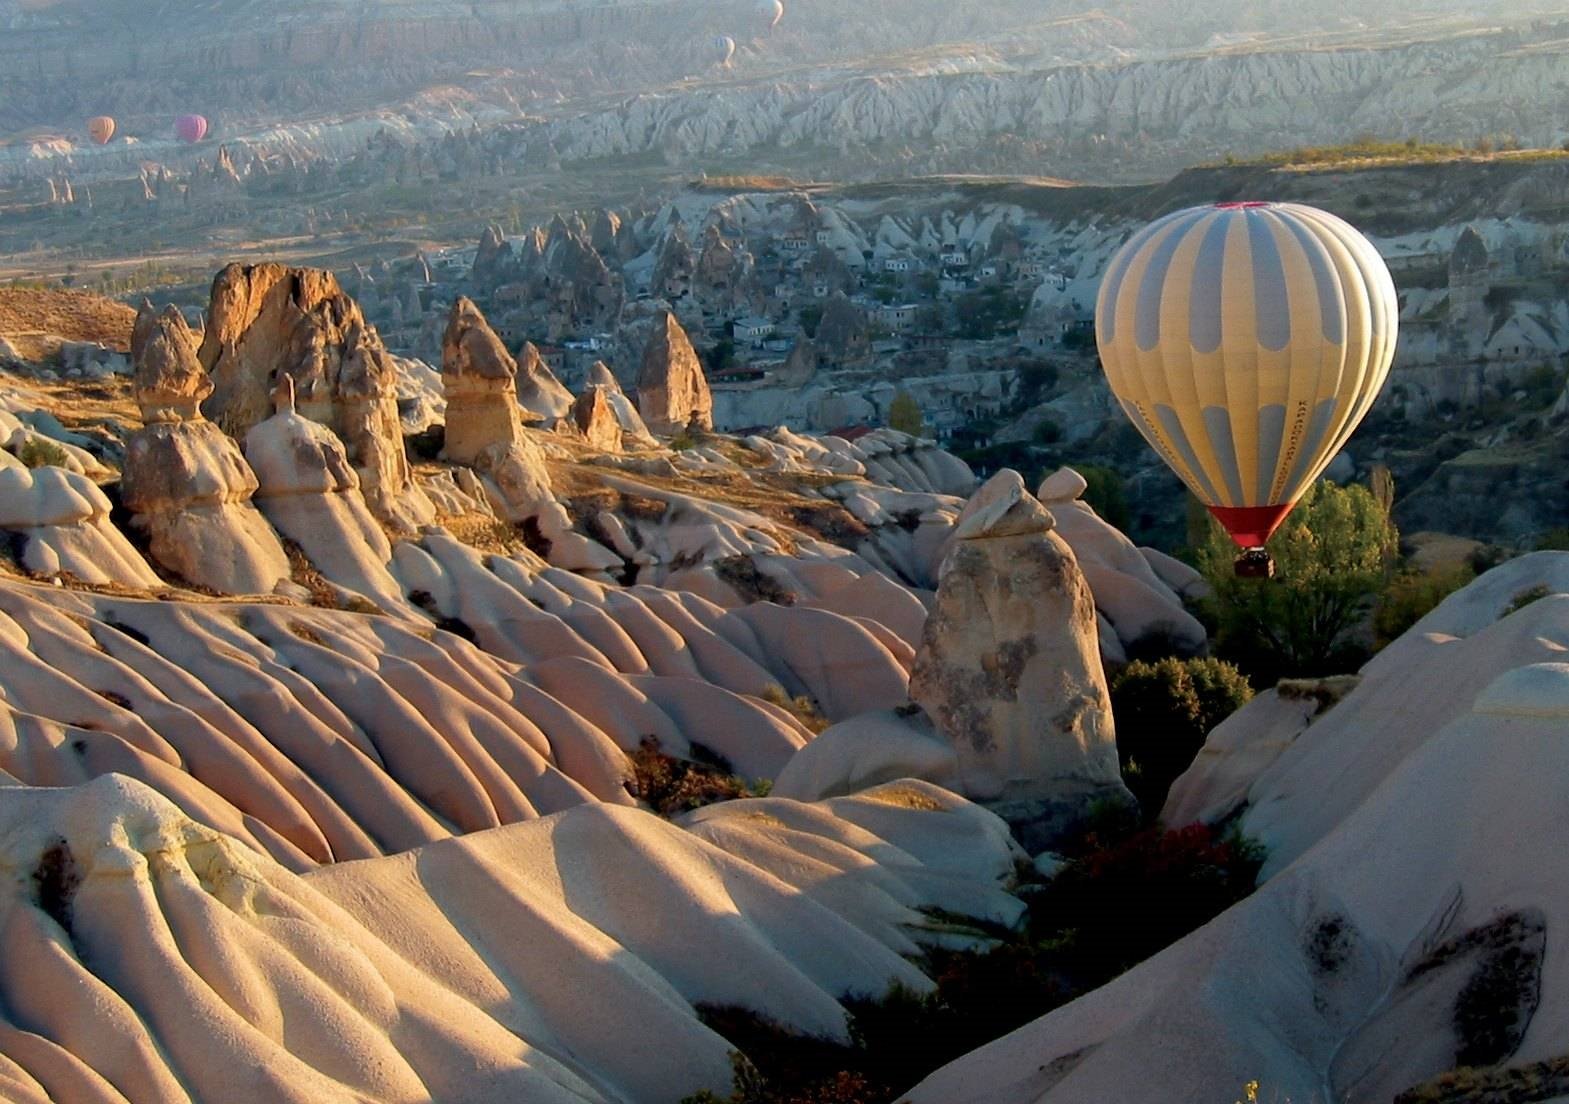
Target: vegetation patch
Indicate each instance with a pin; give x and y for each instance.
(1325, 693)
(801, 707)
(742, 576)
(303, 573)
(40, 452)
(55, 882)
(671, 786)
(1526, 597)
(1529, 1083)
(1164, 711)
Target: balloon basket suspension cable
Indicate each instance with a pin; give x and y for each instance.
(1254, 563)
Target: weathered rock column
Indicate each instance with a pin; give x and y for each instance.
(1009, 669)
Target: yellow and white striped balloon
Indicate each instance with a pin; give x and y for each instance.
(1246, 341)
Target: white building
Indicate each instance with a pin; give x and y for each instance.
(753, 329)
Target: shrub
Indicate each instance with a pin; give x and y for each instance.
(1047, 432)
(1411, 595)
(1332, 555)
(672, 786)
(1123, 901)
(801, 707)
(1163, 712)
(40, 452)
(904, 414)
(1526, 597)
(1107, 494)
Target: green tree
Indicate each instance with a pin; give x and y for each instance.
(904, 414)
(1332, 556)
(1163, 712)
(1106, 494)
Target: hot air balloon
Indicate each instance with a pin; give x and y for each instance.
(771, 12)
(100, 128)
(1246, 342)
(724, 49)
(191, 128)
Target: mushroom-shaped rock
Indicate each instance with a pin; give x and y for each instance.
(1009, 669)
(672, 392)
(186, 484)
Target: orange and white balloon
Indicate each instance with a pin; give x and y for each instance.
(1246, 342)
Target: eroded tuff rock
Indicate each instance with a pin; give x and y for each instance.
(185, 482)
(1138, 592)
(134, 927)
(485, 431)
(672, 392)
(1405, 922)
(634, 431)
(58, 522)
(479, 377)
(310, 493)
(595, 419)
(1009, 669)
(538, 388)
(270, 320)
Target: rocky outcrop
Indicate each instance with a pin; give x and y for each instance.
(595, 419)
(634, 431)
(1135, 603)
(185, 482)
(479, 378)
(485, 431)
(539, 391)
(1009, 669)
(672, 391)
(843, 333)
(417, 976)
(310, 493)
(57, 522)
(266, 321)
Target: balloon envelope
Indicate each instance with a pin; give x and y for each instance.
(100, 128)
(191, 128)
(1246, 341)
(724, 47)
(771, 11)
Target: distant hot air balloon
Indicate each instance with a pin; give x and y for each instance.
(771, 12)
(1246, 342)
(724, 49)
(191, 128)
(100, 128)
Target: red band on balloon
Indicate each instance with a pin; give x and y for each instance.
(1251, 526)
